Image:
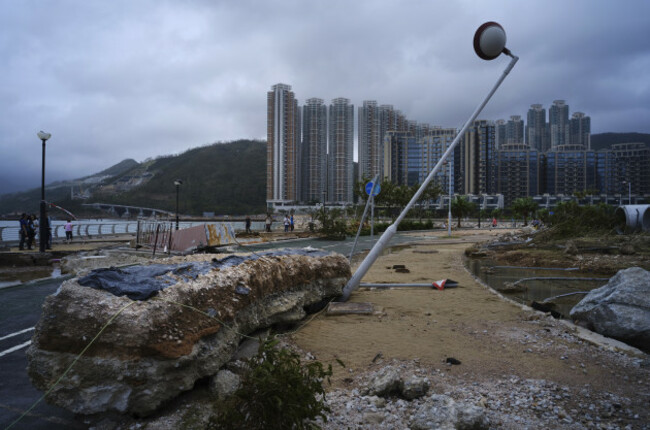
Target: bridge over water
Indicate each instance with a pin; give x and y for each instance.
(124, 211)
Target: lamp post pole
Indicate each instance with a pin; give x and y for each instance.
(178, 183)
(42, 224)
(489, 43)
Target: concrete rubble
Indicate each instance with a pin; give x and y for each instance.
(152, 350)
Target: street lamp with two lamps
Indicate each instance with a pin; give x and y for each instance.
(42, 224)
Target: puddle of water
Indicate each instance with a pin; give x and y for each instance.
(535, 290)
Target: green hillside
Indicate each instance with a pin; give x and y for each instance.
(226, 178)
(222, 178)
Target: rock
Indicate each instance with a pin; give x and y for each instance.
(373, 417)
(438, 412)
(442, 412)
(571, 248)
(619, 309)
(149, 351)
(224, 384)
(627, 249)
(414, 387)
(385, 383)
(471, 417)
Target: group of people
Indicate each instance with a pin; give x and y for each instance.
(288, 223)
(29, 227)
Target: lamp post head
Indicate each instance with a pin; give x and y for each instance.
(178, 182)
(490, 41)
(43, 135)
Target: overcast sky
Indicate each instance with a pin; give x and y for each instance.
(140, 78)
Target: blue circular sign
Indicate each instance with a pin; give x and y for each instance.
(369, 188)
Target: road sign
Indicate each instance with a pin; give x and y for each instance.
(369, 189)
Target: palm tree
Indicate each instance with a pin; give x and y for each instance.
(460, 207)
(524, 207)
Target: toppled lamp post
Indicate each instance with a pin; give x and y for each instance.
(489, 43)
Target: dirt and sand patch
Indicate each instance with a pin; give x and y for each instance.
(492, 338)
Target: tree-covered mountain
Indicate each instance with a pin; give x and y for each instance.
(224, 178)
(606, 140)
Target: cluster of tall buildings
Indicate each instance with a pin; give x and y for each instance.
(310, 152)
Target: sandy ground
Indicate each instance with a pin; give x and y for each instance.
(492, 337)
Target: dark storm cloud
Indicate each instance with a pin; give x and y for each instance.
(137, 79)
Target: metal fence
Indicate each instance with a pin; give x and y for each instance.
(11, 234)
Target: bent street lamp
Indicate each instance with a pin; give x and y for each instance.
(489, 43)
(178, 183)
(42, 227)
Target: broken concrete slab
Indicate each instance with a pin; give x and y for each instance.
(151, 350)
(345, 308)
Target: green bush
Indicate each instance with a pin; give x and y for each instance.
(277, 392)
(571, 220)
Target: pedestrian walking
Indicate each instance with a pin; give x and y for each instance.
(248, 224)
(287, 222)
(291, 222)
(268, 222)
(31, 231)
(494, 222)
(68, 231)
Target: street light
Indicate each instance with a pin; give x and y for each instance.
(489, 43)
(629, 191)
(42, 227)
(178, 183)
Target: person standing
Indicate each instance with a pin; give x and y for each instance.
(267, 222)
(286, 223)
(23, 231)
(494, 222)
(31, 231)
(291, 220)
(248, 224)
(68, 231)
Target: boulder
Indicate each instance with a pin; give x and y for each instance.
(620, 309)
(132, 355)
(388, 382)
(442, 412)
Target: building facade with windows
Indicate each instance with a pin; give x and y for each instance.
(341, 152)
(282, 143)
(517, 168)
(314, 150)
(558, 121)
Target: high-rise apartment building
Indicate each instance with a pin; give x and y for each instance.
(558, 120)
(580, 130)
(314, 150)
(341, 151)
(370, 145)
(623, 169)
(517, 167)
(515, 130)
(475, 160)
(500, 132)
(536, 135)
(568, 169)
(283, 137)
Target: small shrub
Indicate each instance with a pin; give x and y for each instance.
(277, 392)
